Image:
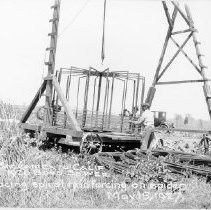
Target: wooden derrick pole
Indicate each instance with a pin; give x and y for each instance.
(167, 14)
(51, 61)
(151, 92)
(164, 47)
(206, 87)
(52, 89)
(47, 84)
(34, 102)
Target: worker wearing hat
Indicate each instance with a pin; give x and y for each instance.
(147, 120)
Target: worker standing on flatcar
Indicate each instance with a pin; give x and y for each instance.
(147, 120)
(205, 140)
(133, 116)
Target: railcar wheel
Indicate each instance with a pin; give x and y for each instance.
(163, 126)
(91, 143)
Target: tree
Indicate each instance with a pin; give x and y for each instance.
(178, 120)
(186, 120)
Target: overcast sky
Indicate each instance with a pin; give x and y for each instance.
(134, 36)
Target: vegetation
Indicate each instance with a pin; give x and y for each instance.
(189, 122)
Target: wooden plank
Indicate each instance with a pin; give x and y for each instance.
(186, 55)
(122, 134)
(69, 143)
(51, 129)
(62, 131)
(66, 106)
(175, 55)
(34, 102)
(120, 138)
(31, 127)
(182, 31)
(184, 130)
(180, 82)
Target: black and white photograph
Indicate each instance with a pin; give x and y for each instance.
(105, 104)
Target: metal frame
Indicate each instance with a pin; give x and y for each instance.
(103, 120)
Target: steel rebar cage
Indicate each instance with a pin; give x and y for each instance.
(99, 98)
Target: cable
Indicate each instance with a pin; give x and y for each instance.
(74, 18)
(103, 37)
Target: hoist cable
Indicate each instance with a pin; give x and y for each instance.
(74, 18)
(103, 37)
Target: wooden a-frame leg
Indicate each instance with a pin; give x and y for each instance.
(34, 102)
(70, 115)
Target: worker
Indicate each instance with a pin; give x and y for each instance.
(205, 140)
(132, 116)
(147, 120)
(160, 144)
